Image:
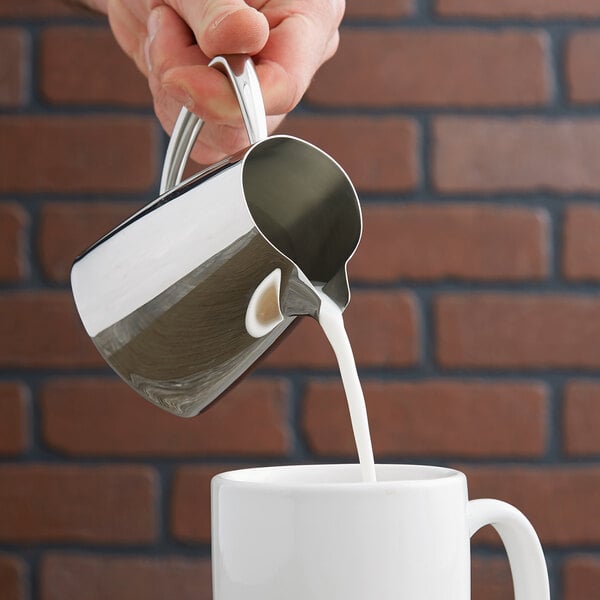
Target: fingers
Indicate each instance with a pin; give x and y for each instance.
(302, 36)
(297, 46)
(224, 26)
(216, 141)
(178, 75)
(178, 71)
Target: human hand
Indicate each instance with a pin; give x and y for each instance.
(172, 42)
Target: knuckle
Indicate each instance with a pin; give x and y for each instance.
(332, 46)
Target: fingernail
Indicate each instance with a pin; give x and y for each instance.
(180, 94)
(152, 27)
(153, 22)
(147, 53)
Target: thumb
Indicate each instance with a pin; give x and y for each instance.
(224, 26)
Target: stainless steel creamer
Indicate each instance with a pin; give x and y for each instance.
(169, 297)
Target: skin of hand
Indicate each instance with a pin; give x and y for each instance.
(172, 42)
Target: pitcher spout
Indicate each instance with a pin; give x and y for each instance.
(271, 303)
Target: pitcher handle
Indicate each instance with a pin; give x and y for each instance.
(242, 75)
(525, 554)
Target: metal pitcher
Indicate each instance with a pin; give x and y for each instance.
(185, 295)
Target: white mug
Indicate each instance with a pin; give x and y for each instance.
(317, 532)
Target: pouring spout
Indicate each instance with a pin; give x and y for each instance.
(303, 296)
(273, 301)
(299, 296)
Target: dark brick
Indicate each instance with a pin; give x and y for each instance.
(14, 415)
(42, 329)
(106, 417)
(516, 154)
(95, 153)
(14, 51)
(190, 502)
(70, 54)
(72, 577)
(13, 257)
(524, 9)
(13, 585)
(91, 505)
(513, 330)
(581, 576)
(581, 418)
(388, 68)
(431, 418)
(457, 241)
(560, 501)
(581, 69)
(581, 242)
(379, 9)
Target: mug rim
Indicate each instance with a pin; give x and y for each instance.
(281, 477)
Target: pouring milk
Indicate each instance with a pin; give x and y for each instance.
(264, 313)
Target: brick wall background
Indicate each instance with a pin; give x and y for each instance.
(472, 130)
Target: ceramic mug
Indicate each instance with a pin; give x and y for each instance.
(317, 532)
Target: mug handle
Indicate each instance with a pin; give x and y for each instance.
(240, 70)
(525, 554)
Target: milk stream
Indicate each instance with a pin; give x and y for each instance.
(332, 323)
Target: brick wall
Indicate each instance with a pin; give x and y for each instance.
(472, 130)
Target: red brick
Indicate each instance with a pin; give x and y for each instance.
(581, 577)
(561, 502)
(491, 579)
(105, 417)
(91, 504)
(527, 9)
(70, 54)
(581, 68)
(431, 418)
(14, 409)
(13, 66)
(190, 502)
(378, 153)
(68, 228)
(44, 8)
(72, 577)
(12, 578)
(382, 327)
(42, 329)
(581, 417)
(96, 153)
(509, 330)
(463, 68)
(458, 241)
(379, 9)
(13, 259)
(581, 242)
(503, 154)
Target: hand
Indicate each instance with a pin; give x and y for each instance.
(172, 42)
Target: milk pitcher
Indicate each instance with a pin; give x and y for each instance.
(184, 296)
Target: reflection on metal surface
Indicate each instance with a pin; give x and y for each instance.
(164, 296)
